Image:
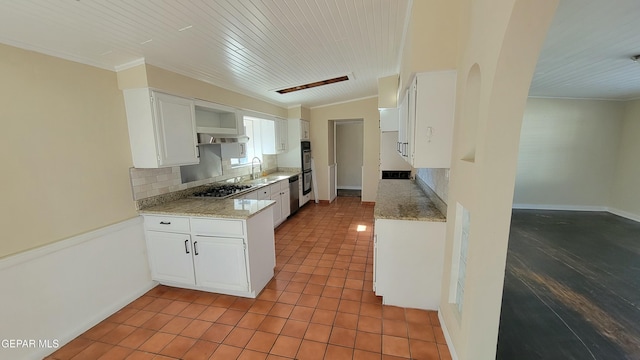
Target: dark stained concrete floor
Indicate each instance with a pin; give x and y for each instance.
(572, 287)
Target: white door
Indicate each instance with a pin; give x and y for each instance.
(170, 257)
(176, 130)
(220, 263)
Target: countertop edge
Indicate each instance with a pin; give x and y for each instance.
(150, 211)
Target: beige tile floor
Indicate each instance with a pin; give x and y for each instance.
(319, 306)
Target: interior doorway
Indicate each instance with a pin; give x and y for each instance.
(348, 142)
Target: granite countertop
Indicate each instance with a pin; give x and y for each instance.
(227, 208)
(405, 200)
(183, 203)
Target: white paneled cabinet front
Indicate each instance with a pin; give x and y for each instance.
(280, 193)
(305, 132)
(274, 136)
(229, 256)
(233, 150)
(220, 262)
(162, 129)
(408, 262)
(170, 257)
(425, 120)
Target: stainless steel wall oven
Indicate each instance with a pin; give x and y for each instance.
(306, 167)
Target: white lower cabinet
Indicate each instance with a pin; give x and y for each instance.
(170, 257)
(408, 262)
(229, 256)
(220, 262)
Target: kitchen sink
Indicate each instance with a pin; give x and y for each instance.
(266, 180)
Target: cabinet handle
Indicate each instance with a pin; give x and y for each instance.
(186, 246)
(195, 248)
(165, 222)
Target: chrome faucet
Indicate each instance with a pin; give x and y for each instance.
(253, 175)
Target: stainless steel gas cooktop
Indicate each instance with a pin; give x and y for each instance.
(222, 191)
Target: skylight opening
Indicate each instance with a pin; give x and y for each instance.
(314, 84)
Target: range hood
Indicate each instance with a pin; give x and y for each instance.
(204, 138)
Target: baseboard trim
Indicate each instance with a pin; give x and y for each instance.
(447, 337)
(98, 318)
(614, 211)
(346, 187)
(559, 207)
(624, 214)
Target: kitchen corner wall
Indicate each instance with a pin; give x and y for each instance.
(152, 182)
(437, 180)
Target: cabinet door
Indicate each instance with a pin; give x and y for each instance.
(277, 208)
(434, 109)
(269, 138)
(220, 263)
(403, 118)
(411, 123)
(175, 130)
(283, 132)
(389, 119)
(304, 130)
(285, 200)
(233, 150)
(170, 257)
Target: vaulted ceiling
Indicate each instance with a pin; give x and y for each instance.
(250, 46)
(258, 46)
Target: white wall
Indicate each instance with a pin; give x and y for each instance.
(625, 195)
(59, 291)
(65, 150)
(322, 142)
(349, 136)
(502, 42)
(567, 155)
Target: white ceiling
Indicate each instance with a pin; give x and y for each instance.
(257, 46)
(587, 51)
(249, 46)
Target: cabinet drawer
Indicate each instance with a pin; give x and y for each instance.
(217, 227)
(166, 223)
(264, 193)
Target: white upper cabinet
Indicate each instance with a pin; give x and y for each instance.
(282, 126)
(389, 119)
(274, 136)
(403, 125)
(305, 133)
(212, 118)
(162, 129)
(426, 115)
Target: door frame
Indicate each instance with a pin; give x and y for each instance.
(332, 196)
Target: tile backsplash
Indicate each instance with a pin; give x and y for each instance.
(437, 180)
(152, 182)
